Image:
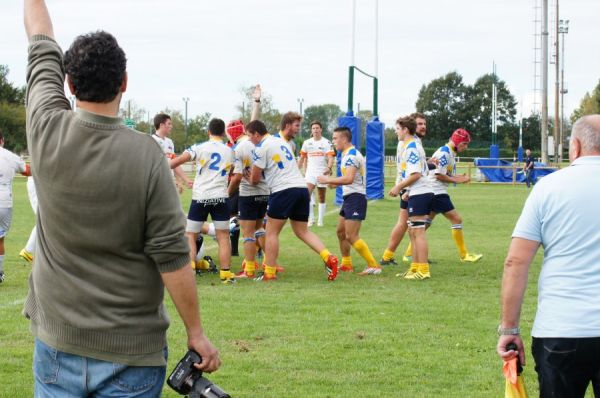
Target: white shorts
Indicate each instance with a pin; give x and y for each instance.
(312, 179)
(5, 220)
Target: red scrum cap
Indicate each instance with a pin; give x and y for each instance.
(235, 129)
(459, 136)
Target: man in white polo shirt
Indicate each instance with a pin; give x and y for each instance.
(561, 214)
(288, 198)
(317, 155)
(163, 126)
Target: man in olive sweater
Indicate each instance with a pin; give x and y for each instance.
(110, 229)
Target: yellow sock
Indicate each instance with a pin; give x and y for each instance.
(388, 255)
(270, 271)
(408, 252)
(347, 261)
(363, 249)
(414, 267)
(193, 264)
(249, 267)
(423, 268)
(459, 240)
(325, 254)
(225, 274)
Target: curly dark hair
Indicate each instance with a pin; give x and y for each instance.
(96, 66)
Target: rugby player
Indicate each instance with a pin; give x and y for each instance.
(163, 126)
(288, 198)
(354, 206)
(289, 127)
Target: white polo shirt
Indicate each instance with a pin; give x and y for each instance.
(10, 164)
(274, 156)
(351, 157)
(214, 161)
(562, 214)
(317, 155)
(244, 150)
(446, 161)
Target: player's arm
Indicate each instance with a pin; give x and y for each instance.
(346, 179)
(179, 160)
(37, 19)
(330, 160)
(302, 162)
(514, 282)
(181, 286)
(460, 179)
(256, 95)
(407, 182)
(234, 184)
(255, 175)
(180, 174)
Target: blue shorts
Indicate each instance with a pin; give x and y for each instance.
(442, 204)
(420, 205)
(354, 207)
(217, 208)
(252, 207)
(292, 203)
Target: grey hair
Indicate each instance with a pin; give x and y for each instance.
(587, 131)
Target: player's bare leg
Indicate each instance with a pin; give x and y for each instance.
(396, 237)
(301, 230)
(274, 227)
(345, 246)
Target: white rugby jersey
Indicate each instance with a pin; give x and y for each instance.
(414, 159)
(10, 164)
(352, 157)
(291, 143)
(280, 169)
(317, 155)
(446, 161)
(399, 165)
(214, 161)
(243, 151)
(166, 144)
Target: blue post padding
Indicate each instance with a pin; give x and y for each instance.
(375, 151)
(494, 152)
(520, 154)
(354, 124)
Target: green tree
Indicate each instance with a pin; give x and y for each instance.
(269, 115)
(477, 112)
(12, 113)
(327, 114)
(589, 105)
(442, 101)
(532, 132)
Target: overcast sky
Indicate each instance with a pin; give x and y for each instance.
(208, 50)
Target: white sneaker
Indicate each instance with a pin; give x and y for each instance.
(371, 271)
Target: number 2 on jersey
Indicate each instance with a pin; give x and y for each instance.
(216, 158)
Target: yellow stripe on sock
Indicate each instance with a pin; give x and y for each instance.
(270, 271)
(347, 260)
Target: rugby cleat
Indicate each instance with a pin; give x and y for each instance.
(418, 276)
(25, 255)
(370, 271)
(407, 273)
(471, 258)
(346, 268)
(332, 267)
(265, 278)
(391, 261)
(227, 277)
(212, 267)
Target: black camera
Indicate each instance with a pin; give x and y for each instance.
(186, 379)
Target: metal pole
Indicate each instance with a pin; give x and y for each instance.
(350, 88)
(494, 106)
(556, 92)
(563, 29)
(353, 43)
(185, 125)
(544, 62)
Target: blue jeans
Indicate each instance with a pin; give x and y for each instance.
(58, 374)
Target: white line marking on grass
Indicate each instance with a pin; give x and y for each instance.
(12, 304)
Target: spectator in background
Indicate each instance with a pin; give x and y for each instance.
(562, 215)
(529, 165)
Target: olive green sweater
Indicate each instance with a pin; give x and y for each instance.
(109, 222)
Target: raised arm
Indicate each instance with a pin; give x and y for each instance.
(256, 95)
(37, 19)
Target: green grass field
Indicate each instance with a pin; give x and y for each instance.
(359, 336)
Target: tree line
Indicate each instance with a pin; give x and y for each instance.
(447, 102)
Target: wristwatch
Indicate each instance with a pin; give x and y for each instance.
(508, 331)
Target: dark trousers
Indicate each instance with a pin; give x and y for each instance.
(566, 366)
(529, 177)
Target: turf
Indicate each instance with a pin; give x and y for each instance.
(377, 336)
